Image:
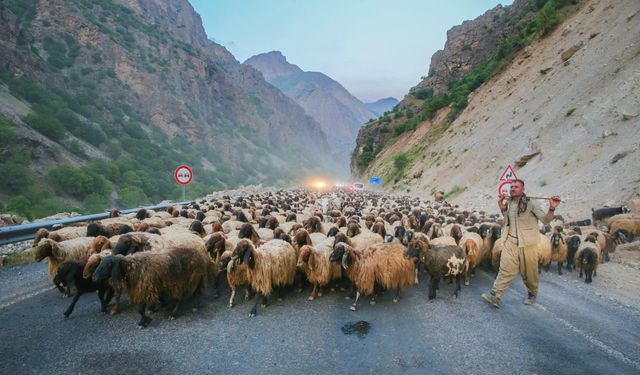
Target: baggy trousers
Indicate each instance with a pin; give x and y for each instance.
(516, 259)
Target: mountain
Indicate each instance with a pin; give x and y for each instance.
(379, 107)
(339, 113)
(104, 98)
(549, 93)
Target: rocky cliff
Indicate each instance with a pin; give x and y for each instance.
(339, 113)
(138, 79)
(562, 108)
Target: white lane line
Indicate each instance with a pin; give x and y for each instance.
(15, 299)
(604, 347)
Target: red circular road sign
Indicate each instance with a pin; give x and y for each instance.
(505, 188)
(183, 175)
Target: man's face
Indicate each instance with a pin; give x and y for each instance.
(516, 189)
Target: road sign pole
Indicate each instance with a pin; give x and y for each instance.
(183, 193)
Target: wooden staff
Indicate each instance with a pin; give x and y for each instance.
(532, 197)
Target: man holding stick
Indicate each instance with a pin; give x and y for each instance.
(520, 236)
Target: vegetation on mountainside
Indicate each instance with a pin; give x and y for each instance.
(117, 149)
(549, 15)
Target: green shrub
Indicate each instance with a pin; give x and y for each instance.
(15, 177)
(424, 93)
(400, 162)
(20, 206)
(7, 137)
(76, 148)
(48, 126)
(132, 196)
(51, 206)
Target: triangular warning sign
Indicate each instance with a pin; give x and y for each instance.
(508, 174)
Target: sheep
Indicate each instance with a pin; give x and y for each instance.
(626, 227)
(69, 277)
(559, 250)
(109, 230)
(603, 213)
(175, 273)
(57, 252)
(247, 231)
(230, 225)
(472, 244)
(365, 239)
(236, 275)
(587, 258)
(272, 265)
(90, 267)
(59, 235)
(313, 225)
(197, 228)
(613, 218)
(379, 228)
(573, 243)
(217, 244)
(496, 253)
(441, 261)
(605, 241)
(134, 242)
(319, 270)
(384, 264)
(544, 252)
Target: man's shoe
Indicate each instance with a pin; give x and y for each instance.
(530, 300)
(491, 299)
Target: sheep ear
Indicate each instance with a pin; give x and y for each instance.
(117, 271)
(55, 250)
(248, 258)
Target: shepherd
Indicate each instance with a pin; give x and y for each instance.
(520, 236)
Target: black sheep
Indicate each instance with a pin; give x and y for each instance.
(603, 213)
(588, 261)
(573, 243)
(69, 276)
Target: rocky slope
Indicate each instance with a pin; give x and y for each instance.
(339, 113)
(139, 79)
(564, 112)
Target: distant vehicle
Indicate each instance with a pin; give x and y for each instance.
(357, 186)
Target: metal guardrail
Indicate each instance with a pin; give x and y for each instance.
(18, 233)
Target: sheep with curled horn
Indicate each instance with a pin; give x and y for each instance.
(270, 266)
(236, 275)
(383, 264)
(175, 274)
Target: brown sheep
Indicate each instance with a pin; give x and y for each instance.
(217, 244)
(57, 252)
(315, 263)
(313, 225)
(379, 228)
(383, 264)
(62, 234)
(559, 250)
(216, 227)
(92, 263)
(236, 275)
(472, 244)
(247, 231)
(176, 273)
(272, 265)
(109, 230)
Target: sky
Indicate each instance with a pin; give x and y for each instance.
(374, 48)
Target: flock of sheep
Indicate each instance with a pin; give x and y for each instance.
(266, 242)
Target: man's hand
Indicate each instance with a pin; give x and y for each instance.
(501, 204)
(554, 202)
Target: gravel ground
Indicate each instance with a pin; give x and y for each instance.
(574, 329)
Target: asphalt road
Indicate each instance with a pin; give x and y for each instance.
(571, 330)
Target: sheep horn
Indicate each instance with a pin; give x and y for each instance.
(344, 260)
(230, 265)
